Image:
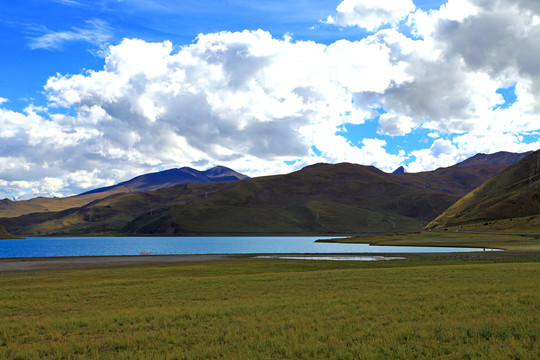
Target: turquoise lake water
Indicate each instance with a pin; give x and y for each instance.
(95, 246)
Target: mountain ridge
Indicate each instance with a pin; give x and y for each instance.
(327, 198)
(339, 198)
(145, 182)
(171, 177)
(498, 158)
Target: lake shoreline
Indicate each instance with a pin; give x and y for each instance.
(96, 262)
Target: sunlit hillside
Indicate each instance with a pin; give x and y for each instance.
(510, 201)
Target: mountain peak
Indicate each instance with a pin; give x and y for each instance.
(172, 177)
(400, 170)
(220, 171)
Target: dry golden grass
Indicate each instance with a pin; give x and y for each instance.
(251, 309)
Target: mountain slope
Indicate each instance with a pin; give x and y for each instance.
(509, 201)
(146, 182)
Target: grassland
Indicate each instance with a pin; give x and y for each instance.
(268, 309)
(509, 243)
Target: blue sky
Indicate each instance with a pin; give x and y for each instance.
(260, 86)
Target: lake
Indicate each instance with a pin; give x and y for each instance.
(95, 246)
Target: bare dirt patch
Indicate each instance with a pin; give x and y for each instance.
(82, 262)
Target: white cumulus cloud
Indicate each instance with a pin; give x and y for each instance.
(371, 14)
(228, 96)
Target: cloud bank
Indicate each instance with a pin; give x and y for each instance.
(264, 105)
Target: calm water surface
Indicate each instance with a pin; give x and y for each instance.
(95, 246)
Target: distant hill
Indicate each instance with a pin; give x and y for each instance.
(147, 182)
(501, 158)
(400, 170)
(453, 180)
(31, 195)
(498, 158)
(172, 177)
(3, 231)
(509, 201)
(465, 176)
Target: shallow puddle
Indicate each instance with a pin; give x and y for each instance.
(331, 257)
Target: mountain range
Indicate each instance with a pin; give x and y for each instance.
(146, 182)
(319, 199)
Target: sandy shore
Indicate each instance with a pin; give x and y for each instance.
(78, 262)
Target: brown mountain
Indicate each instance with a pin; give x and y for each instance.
(341, 199)
(509, 201)
(498, 158)
(338, 199)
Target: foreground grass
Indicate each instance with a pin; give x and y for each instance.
(263, 309)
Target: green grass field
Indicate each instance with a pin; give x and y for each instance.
(510, 243)
(267, 309)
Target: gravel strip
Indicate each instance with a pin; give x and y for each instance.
(78, 262)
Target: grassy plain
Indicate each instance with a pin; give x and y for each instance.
(508, 242)
(430, 308)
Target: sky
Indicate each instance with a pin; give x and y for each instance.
(93, 93)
